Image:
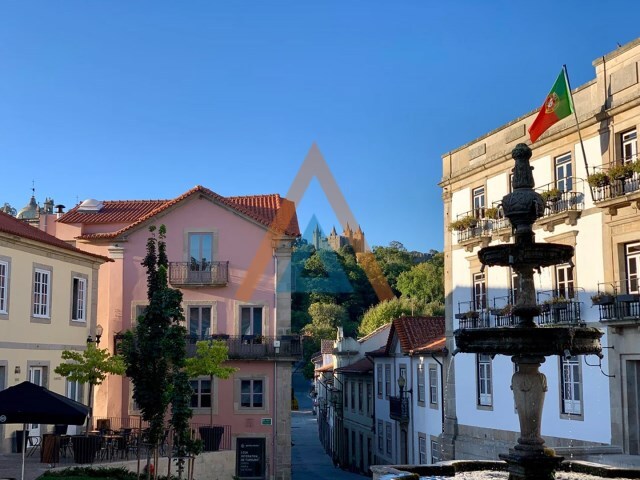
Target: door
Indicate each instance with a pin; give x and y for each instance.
(633, 405)
(36, 375)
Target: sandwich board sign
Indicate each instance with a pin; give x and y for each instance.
(250, 458)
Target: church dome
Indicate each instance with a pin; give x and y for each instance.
(30, 211)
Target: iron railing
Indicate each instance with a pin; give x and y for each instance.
(399, 408)
(616, 187)
(560, 201)
(199, 273)
(254, 346)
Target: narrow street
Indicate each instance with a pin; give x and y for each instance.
(308, 458)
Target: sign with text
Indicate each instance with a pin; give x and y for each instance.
(265, 421)
(250, 458)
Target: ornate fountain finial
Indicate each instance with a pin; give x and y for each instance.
(522, 173)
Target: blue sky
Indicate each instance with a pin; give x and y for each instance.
(146, 99)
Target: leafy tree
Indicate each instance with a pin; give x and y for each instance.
(90, 367)
(208, 360)
(155, 353)
(424, 281)
(393, 260)
(325, 318)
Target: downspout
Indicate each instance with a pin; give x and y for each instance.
(274, 437)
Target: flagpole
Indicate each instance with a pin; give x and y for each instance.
(575, 114)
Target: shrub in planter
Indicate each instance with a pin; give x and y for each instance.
(621, 171)
(598, 179)
(463, 223)
(602, 298)
(552, 195)
(491, 213)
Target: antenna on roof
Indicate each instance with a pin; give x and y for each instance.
(33, 188)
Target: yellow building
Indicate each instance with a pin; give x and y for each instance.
(48, 302)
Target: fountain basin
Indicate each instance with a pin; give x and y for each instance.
(534, 255)
(530, 341)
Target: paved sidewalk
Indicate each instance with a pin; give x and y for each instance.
(11, 466)
(308, 458)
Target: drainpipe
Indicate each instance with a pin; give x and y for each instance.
(274, 437)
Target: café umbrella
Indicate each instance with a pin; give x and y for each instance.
(30, 403)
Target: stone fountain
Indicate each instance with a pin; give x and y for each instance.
(525, 342)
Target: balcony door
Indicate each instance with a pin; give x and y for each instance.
(200, 257)
(36, 375)
(633, 406)
(632, 254)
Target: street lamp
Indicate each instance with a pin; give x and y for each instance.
(99, 331)
(402, 382)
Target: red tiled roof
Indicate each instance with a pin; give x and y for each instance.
(415, 333)
(375, 332)
(325, 368)
(13, 226)
(364, 365)
(433, 347)
(326, 346)
(273, 211)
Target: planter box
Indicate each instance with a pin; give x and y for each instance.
(628, 297)
(85, 448)
(603, 300)
(211, 438)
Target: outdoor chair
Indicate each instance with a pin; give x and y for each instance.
(33, 443)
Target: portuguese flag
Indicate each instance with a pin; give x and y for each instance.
(556, 106)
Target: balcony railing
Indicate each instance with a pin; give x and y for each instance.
(615, 305)
(199, 273)
(614, 185)
(243, 347)
(399, 408)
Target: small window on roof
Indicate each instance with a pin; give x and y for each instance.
(90, 205)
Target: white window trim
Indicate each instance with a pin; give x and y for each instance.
(433, 385)
(44, 308)
(570, 408)
(5, 271)
(75, 302)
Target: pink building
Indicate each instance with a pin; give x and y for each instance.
(230, 258)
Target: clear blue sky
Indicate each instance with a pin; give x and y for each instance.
(145, 99)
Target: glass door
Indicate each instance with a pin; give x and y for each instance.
(36, 375)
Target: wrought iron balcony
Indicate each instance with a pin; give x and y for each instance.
(617, 307)
(616, 185)
(399, 408)
(561, 206)
(198, 274)
(254, 346)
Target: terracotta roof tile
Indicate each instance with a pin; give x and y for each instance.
(325, 368)
(13, 226)
(433, 347)
(364, 365)
(415, 332)
(273, 211)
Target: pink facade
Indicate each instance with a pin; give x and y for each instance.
(203, 233)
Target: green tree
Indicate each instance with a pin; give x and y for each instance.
(386, 311)
(424, 281)
(91, 367)
(208, 360)
(155, 353)
(393, 260)
(325, 318)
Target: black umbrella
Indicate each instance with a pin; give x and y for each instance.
(29, 403)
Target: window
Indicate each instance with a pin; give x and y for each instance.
(353, 395)
(200, 251)
(484, 380)
(380, 437)
(564, 280)
(387, 380)
(74, 390)
(479, 292)
(353, 443)
(422, 449)
(564, 173)
(421, 392)
(478, 202)
(369, 398)
(41, 293)
(433, 385)
(571, 385)
(632, 254)
(251, 321)
(4, 286)
(79, 300)
(200, 322)
(379, 380)
(629, 146)
(389, 445)
(402, 372)
(435, 451)
(360, 396)
(251, 393)
(201, 396)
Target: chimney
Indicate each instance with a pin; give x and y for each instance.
(59, 210)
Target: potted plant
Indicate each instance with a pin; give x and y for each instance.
(491, 213)
(463, 223)
(602, 298)
(557, 303)
(208, 361)
(621, 171)
(598, 179)
(90, 366)
(552, 195)
(628, 297)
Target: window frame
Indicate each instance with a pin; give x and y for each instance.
(77, 303)
(478, 201)
(565, 281)
(360, 396)
(422, 449)
(422, 392)
(632, 143)
(5, 281)
(484, 381)
(252, 319)
(43, 315)
(380, 435)
(435, 450)
(387, 381)
(200, 394)
(433, 386)
(389, 439)
(479, 292)
(563, 172)
(570, 387)
(379, 381)
(632, 262)
(252, 393)
(201, 333)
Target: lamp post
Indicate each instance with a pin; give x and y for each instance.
(402, 382)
